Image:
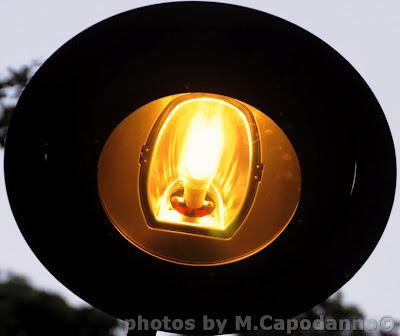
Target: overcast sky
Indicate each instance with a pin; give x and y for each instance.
(365, 32)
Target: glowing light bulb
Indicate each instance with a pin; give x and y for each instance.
(201, 156)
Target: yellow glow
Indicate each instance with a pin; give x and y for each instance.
(201, 156)
(202, 150)
(205, 146)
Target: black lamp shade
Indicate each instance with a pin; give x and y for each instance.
(91, 84)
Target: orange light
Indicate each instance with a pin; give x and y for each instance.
(172, 143)
(202, 166)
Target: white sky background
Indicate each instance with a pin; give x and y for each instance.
(365, 32)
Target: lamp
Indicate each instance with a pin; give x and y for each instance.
(204, 163)
(206, 148)
(201, 165)
(194, 158)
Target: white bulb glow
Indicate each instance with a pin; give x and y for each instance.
(201, 156)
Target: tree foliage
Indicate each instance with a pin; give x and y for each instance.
(11, 87)
(26, 311)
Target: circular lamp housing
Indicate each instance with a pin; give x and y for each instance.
(83, 196)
